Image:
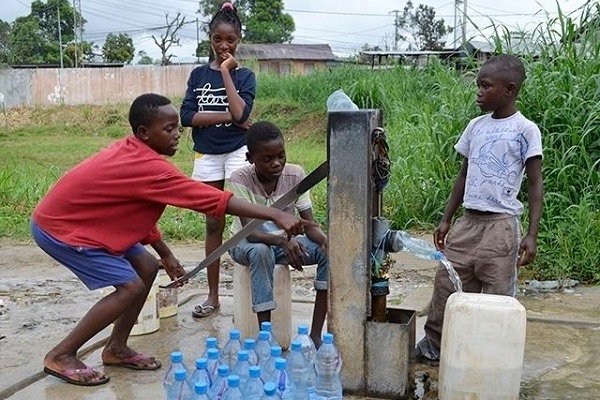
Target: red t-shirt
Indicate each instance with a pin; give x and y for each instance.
(114, 199)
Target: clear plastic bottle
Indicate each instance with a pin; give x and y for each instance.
(270, 391)
(263, 348)
(176, 364)
(233, 389)
(219, 386)
(200, 391)
(297, 366)
(270, 363)
(328, 363)
(402, 241)
(339, 101)
(229, 353)
(180, 389)
(250, 347)
(309, 350)
(266, 326)
(213, 363)
(242, 366)
(253, 389)
(285, 386)
(201, 373)
(210, 342)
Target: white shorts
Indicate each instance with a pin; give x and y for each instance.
(218, 167)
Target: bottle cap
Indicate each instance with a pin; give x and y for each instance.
(201, 363)
(249, 343)
(303, 329)
(438, 255)
(243, 355)
(212, 354)
(176, 357)
(233, 381)
(200, 387)
(223, 370)
(296, 345)
(280, 363)
(211, 342)
(264, 335)
(270, 388)
(275, 351)
(327, 338)
(254, 371)
(234, 334)
(180, 375)
(265, 326)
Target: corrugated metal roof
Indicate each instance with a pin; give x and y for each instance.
(285, 51)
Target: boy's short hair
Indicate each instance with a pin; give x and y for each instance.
(262, 131)
(510, 67)
(143, 109)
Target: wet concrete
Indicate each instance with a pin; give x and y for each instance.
(43, 301)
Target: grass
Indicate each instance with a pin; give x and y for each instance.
(425, 111)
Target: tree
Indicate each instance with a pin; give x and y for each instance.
(169, 38)
(4, 42)
(145, 59)
(427, 32)
(118, 48)
(27, 42)
(267, 23)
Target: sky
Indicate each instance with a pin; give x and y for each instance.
(346, 25)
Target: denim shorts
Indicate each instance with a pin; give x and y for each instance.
(96, 268)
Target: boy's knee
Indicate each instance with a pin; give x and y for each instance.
(261, 254)
(134, 288)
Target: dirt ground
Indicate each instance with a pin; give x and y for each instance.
(40, 301)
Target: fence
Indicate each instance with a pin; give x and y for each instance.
(72, 86)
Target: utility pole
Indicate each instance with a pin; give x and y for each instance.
(77, 29)
(397, 28)
(60, 49)
(197, 41)
(464, 22)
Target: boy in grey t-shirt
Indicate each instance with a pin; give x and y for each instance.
(485, 245)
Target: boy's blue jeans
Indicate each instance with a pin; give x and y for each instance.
(262, 258)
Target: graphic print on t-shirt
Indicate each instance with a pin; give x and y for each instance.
(210, 99)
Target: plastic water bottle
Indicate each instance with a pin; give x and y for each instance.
(328, 364)
(212, 363)
(176, 364)
(253, 389)
(297, 367)
(270, 363)
(201, 373)
(250, 347)
(200, 391)
(233, 389)
(309, 350)
(400, 240)
(339, 101)
(180, 389)
(263, 348)
(266, 326)
(210, 342)
(230, 350)
(219, 386)
(270, 391)
(285, 386)
(242, 366)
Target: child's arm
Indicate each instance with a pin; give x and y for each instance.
(237, 105)
(535, 194)
(456, 198)
(171, 264)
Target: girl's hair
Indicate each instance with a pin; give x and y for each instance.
(228, 15)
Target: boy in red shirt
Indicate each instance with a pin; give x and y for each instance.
(97, 217)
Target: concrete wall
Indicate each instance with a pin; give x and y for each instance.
(72, 86)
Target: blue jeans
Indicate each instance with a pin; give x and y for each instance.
(261, 259)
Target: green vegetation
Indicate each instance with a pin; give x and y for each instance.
(425, 110)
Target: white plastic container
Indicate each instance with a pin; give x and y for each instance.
(167, 298)
(483, 343)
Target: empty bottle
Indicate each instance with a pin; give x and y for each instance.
(180, 389)
(253, 389)
(328, 364)
(212, 363)
(270, 363)
(233, 389)
(297, 367)
(200, 391)
(201, 373)
(270, 391)
(263, 348)
(210, 342)
(217, 390)
(285, 387)
(176, 364)
(309, 350)
(400, 240)
(229, 353)
(266, 326)
(242, 366)
(250, 347)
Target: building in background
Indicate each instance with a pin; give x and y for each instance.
(285, 58)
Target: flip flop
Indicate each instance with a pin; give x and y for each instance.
(71, 375)
(138, 362)
(204, 311)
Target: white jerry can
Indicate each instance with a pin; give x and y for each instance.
(483, 343)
